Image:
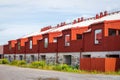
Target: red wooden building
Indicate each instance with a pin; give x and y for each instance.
(71, 43)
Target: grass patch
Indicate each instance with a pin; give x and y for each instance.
(18, 63)
(4, 61)
(56, 67)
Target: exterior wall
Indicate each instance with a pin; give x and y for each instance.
(50, 58)
(10, 57)
(75, 45)
(29, 57)
(11, 45)
(107, 43)
(34, 48)
(77, 30)
(89, 42)
(112, 25)
(6, 49)
(52, 46)
(1, 51)
(22, 45)
(75, 58)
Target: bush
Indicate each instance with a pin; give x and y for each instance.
(14, 62)
(18, 63)
(62, 67)
(38, 64)
(58, 67)
(4, 61)
(21, 63)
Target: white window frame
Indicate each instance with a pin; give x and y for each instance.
(96, 32)
(67, 43)
(31, 44)
(54, 40)
(19, 45)
(45, 42)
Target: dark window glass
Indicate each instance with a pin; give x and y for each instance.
(79, 36)
(86, 56)
(118, 32)
(112, 32)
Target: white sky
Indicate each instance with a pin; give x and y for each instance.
(21, 17)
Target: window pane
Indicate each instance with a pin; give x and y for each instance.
(112, 32)
(46, 42)
(118, 32)
(79, 36)
(98, 36)
(55, 40)
(30, 44)
(18, 45)
(67, 40)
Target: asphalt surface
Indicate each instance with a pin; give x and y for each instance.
(17, 73)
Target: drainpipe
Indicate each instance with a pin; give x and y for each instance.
(38, 51)
(57, 52)
(25, 52)
(81, 50)
(15, 54)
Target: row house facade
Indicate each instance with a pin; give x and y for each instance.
(96, 37)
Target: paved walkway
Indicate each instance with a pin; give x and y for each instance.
(16, 73)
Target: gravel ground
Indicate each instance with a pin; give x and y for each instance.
(16, 73)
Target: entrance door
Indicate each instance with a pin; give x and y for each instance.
(67, 59)
(32, 58)
(21, 57)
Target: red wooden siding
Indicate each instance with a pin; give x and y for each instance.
(12, 45)
(22, 45)
(100, 64)
(34, 44)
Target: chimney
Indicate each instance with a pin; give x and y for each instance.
(64, 23)
(79, 20)
(46, 28)
(105, 13)
(74, 22)
(82, 19)
(58, 25)
(101, 14)
(97, 16)
(61, 24)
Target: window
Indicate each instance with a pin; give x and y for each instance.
(79, 36)
(111, 32)
(55, 40)
(43, 57)
(112, 55)
(67, 40)
(18, 45)
(87, 56)
(67, 59)
(98, 36)
(21, 57)
(32, 58)
(118, 32)
(45, 42)
(30, 44)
